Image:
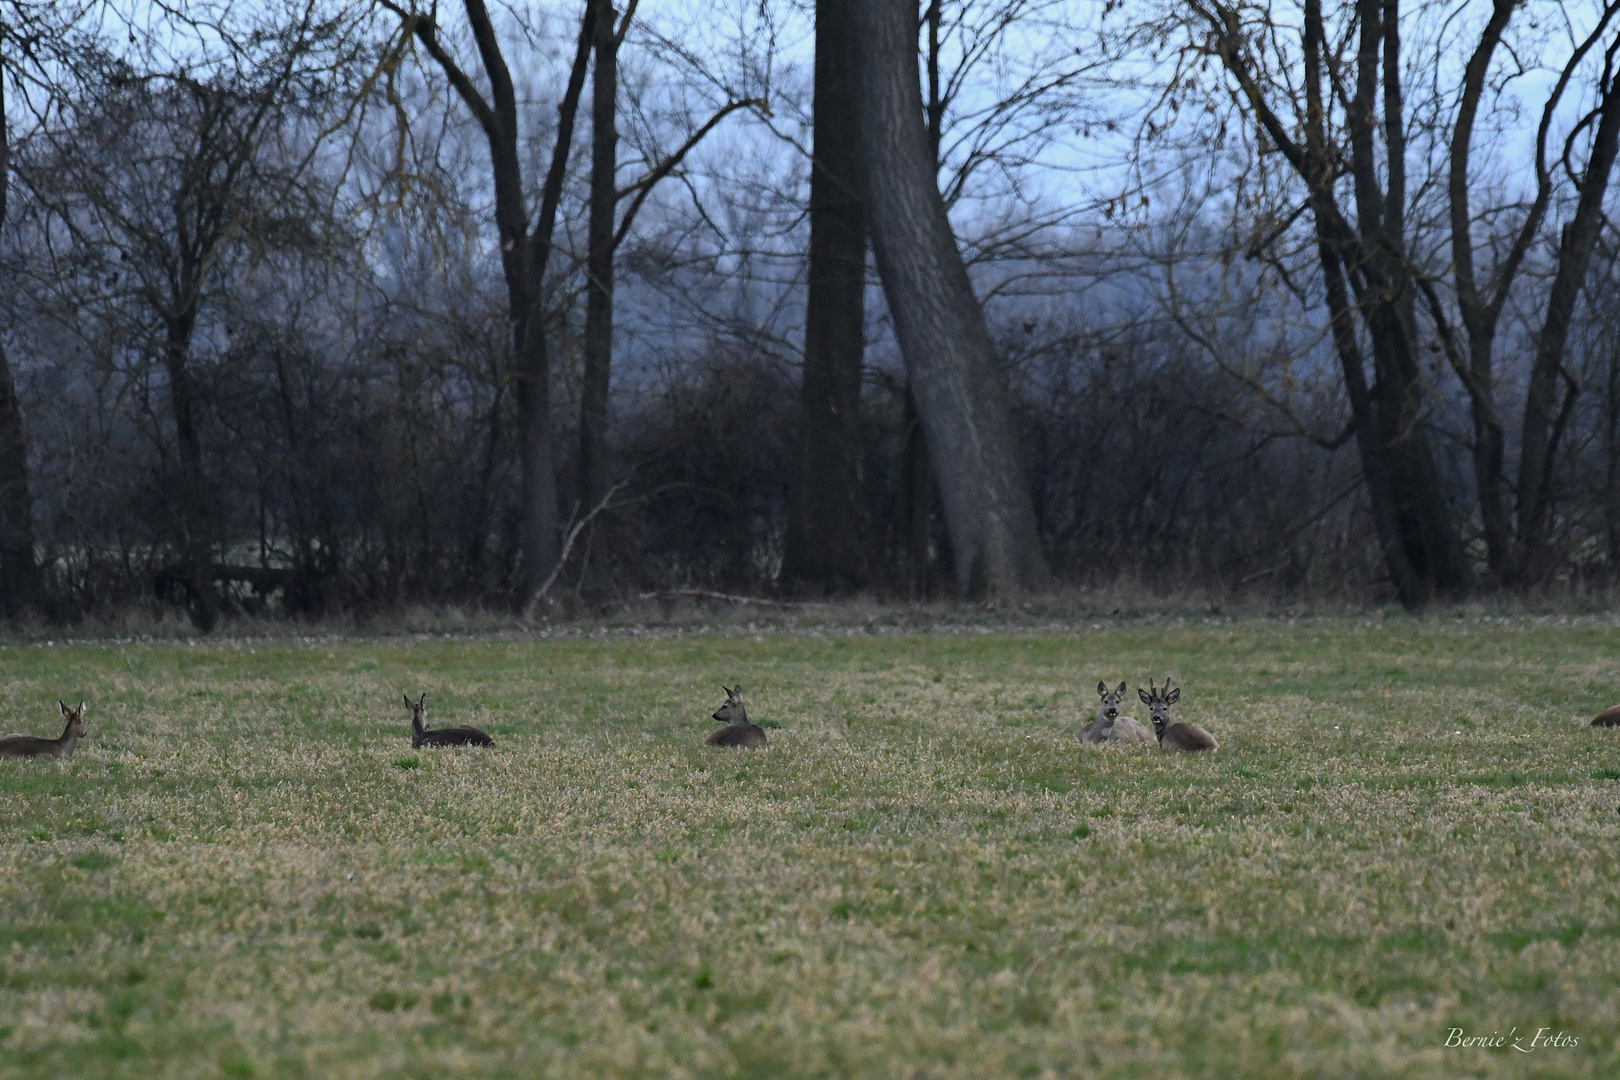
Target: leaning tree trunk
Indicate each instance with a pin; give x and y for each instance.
(950, 359)
(593, 408)
(19, 573)
(824, 550)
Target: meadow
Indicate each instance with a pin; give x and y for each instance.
(246, 871)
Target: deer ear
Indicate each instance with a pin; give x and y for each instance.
(1143, 694)
(82, 704)
(65, 709)
(1102, 687)
(1121, 689)
(408, 701)
(423, 702)
(1174, 696)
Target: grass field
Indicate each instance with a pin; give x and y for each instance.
(246, 871)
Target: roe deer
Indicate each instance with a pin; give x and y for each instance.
(1109, 725)
(34, 746)
(1609, 717)
(465, 735)
(738, 730)
(1173, 736)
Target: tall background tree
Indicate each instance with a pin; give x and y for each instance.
(19, 573)
(950, 358)
(828, 534)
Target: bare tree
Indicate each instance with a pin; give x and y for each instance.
(1366, 266)
(824, 550)
(159, 178)
(1543, 427)
(32, 36)
(608, 227)
(1329, 130)
(525, 251)
(19, 572)
(604, 199)
(949, 356)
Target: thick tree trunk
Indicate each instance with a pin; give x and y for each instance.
(598, 375)
(914, 519)
(824, 550)
(1427, 530)
(19, 572)
(1539, 441)
(199, 550)
(949, 356)
(1411, 587)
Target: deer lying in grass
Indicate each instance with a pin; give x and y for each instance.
(35, 746)
(1109, 725)
(1172, 735)
(465, 735)
(1609, 717)
(738, 731)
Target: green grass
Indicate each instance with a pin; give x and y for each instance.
(247, 872)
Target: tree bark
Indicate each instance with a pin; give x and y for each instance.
(598, 374)
(949, 357)
(19, 572)
(1333, 247)
(824, 550)
(1611, 450)
(914, 520)
(1479, 315)
(199, 550)
(1428, 532)
(1539, 440)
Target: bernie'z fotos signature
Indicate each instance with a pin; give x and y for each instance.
(1543, 1039)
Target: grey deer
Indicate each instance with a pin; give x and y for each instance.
(1109, 725)
(35, 746)
(738, 730)
(1173, 735)
(465, 735)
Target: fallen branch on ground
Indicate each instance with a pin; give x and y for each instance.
(570, 534)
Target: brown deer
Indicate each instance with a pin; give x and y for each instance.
(738, 731)
(35, 746)
(1172, 735)
(1609, 717)
(465, 735)
(1109, 725)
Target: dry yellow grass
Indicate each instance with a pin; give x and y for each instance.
(246, 871)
